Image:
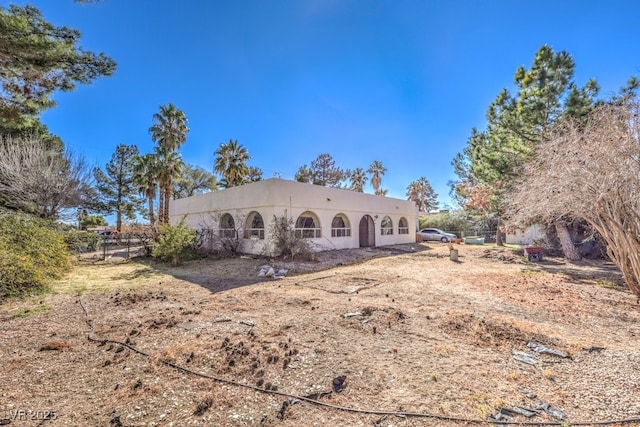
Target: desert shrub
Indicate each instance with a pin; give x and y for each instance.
(31, 253)
(144, 234)
(221, 235)
(176, 244)
(18, 275)
(82, 241)
(284, 242)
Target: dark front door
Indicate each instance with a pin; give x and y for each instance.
(367, 232)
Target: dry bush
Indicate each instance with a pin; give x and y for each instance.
(590, 170)
(284, 241)
(222, 234)
(38, 180)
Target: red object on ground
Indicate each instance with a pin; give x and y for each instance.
(533, 253)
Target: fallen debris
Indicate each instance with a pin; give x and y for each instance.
(540, 348)
(552, 412)
(269, 271)
(519, 410)
(339, 383)
(354, 314)
(282, 272)
(524, 358)
(543, 406)
(500, 416)
(54, 346)
(266, 271)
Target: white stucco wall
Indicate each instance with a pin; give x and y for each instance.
(526, 237)
(282, 197)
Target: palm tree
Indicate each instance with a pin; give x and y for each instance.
(145, 173)
(169, 131)
(231, 163)
(376, 170)
(413, 194)
(254, 174)
(358, 179)
(169, 168)
(421, 192)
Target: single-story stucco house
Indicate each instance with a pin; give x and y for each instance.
(331, 218)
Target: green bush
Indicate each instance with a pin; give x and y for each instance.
(18, 275)
(32, 252)
(453, 222)
(82, 241)
(176, 244)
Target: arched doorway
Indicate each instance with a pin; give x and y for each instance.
(367, 231)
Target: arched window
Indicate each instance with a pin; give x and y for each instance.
(254, 226)
(403, 226)
(386, 226)
(308, 226)
(227, 227)
(340, 226)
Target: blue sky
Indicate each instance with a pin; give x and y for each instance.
(399, 81)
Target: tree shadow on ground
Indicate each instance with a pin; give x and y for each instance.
(584, 271)
(222, 274)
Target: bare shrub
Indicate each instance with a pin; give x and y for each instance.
(38, 180)
(144, 234)
(590, 170)
(221, 234)
(284, 242)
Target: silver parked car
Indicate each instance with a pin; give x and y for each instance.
(436, 234)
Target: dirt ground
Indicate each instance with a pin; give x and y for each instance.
(399, 336)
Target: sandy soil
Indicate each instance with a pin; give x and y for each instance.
(404, 331)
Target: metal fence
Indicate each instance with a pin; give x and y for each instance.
(488, 234)
(125, 246)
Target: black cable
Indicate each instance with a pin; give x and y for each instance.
(351, 409)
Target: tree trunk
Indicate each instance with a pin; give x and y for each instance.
(167, 197)
(568, 249)
(152, 219)
(161, 206)
(118, 221)
(499, 235)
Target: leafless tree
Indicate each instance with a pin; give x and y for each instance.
(36, 179)
(590, 170)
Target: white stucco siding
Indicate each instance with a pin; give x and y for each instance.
(281, 197)
(526, 237)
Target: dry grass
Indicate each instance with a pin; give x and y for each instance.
(431, 336)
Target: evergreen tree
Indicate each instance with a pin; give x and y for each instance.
(37, 59)
(193, 180)
(304, 174)
(323, 171)
(115, 185)
(516, 124)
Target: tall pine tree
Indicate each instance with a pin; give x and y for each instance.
(516, 124)
(116, 190)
